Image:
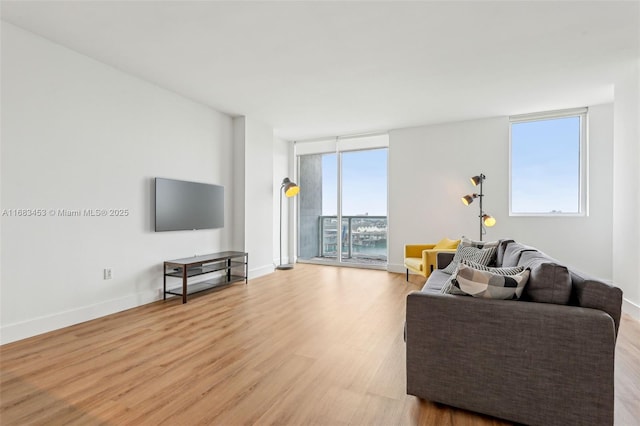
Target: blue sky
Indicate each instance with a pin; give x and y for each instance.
(545, 166)
(364, 183)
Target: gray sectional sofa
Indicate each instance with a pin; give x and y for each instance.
(546, 359)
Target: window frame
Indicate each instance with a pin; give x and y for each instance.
(583, 169)
(339, 145)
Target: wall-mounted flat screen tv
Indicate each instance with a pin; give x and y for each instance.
(183, 205)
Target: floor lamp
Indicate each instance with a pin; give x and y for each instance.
(290, 189)
(485, 219)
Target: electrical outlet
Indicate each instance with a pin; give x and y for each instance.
(108, 273)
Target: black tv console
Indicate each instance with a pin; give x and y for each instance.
(227, 262)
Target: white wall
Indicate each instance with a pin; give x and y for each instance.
(239, 181)
(258, 182)
(78, 134)
(626, 187)
(429, 170)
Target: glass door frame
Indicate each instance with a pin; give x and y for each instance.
(338, 151)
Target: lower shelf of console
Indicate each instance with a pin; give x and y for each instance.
(206, 285)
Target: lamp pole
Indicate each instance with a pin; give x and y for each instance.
(480, 196)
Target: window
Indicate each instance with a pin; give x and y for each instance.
(548, 164)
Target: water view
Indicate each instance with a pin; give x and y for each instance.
(362, 237)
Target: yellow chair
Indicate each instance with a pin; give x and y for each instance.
(422, 258)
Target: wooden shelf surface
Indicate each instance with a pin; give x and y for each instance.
(206, 285)
(205, 258)
(204, 269)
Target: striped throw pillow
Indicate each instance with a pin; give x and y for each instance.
(511, 270)
(483, 256)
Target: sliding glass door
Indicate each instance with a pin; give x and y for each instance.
(342, 207)
(364, 207)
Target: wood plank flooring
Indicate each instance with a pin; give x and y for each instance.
(315, 345)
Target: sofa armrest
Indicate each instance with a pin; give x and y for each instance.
(430, 257)
(444, 258)
(415, 250)
(527, 362)
(590, 292)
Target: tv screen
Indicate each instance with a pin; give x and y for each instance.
(182, 205)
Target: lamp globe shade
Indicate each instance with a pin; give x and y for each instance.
(488, 221)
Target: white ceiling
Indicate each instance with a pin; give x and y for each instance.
(313, 69)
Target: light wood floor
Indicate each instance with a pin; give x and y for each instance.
(315, 345)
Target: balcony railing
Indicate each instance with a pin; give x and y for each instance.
(363, 238)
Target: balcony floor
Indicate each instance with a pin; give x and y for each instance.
(364, 261)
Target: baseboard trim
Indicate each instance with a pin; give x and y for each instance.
(260, 271)
(397, 268)
(33, 327)
(628, 307)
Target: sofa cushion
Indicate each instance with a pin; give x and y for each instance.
(512, 253)
(483, 256)
(490, 285)
(436, 280)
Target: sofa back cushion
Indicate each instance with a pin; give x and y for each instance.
(512, 252)
(530, 256)
(549, 281)
(502, 245)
